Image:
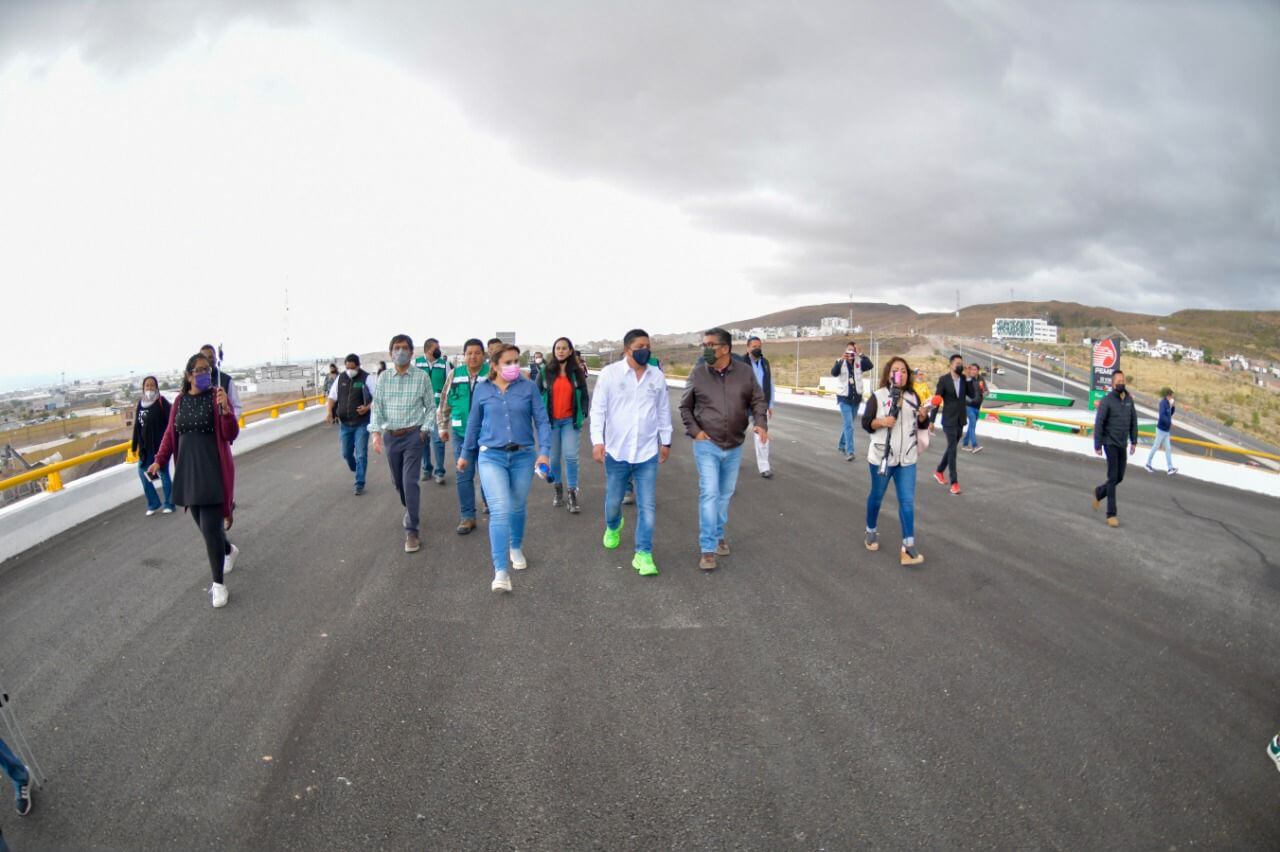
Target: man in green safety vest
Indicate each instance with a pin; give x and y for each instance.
(436, 366)
(455, 409)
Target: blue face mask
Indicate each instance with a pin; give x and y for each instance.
(203, 381)
(641, 356)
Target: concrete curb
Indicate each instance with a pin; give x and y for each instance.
(40, 518)
(1231, 474)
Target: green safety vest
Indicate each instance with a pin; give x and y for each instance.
(438, 370)
(580, 399)
(460, 396)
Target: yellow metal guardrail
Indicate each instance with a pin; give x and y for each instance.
(53, 472)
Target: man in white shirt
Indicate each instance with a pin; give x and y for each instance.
(631, 436)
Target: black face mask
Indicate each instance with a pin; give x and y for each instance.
(958, 369)
(755, 353)
(1119, 388)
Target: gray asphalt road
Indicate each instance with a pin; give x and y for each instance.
(1042, 681)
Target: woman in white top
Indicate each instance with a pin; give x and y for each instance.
(894, 415)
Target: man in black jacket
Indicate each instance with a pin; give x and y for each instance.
(350, 398)
(849, 370)
(1116, 421)
(954, 390)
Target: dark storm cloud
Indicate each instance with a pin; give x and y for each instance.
(1114, 153)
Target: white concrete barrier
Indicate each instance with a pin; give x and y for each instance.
(1231, 474)
(36, 519)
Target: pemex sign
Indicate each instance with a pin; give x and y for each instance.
(1106, 360)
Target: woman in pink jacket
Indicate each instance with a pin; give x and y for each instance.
(201, 429)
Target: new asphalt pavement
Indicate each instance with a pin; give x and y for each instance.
(1041, 681)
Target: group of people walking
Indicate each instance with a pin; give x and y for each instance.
(506, 427)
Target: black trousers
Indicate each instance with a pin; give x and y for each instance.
(954, 434)
(216, 545)
(1117, 460)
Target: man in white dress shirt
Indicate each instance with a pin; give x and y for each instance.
(631, 435)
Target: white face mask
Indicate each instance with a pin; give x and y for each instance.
(351, 374)
(149, 397)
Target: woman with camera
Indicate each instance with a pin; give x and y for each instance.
(895, 416)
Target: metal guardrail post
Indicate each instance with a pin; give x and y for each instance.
(55, 481)
(275, 412)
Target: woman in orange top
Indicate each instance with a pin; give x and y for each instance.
(564, 391)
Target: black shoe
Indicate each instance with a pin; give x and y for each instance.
(558, 499)
(359, 490)
(767, 474)
(574, 508)
(24, 796)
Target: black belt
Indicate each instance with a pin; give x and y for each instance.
(509, 448)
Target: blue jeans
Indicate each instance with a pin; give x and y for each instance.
(717, 479)
(565, 441)
(904, 484)
(354, 441)
(433, 455)
(971, 433)
(848, 411)
(153, 499)
(465, 481)
(617, 476)
(505, 478)
(13, 767)
(1162, 439)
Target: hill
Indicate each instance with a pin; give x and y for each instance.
(1254, 333)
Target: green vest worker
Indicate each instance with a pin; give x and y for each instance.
(455, 409)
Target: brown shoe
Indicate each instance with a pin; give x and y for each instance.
(411, 543)
(708, 562)
(910, 556)
(466, 525)
(1097, 504)
(1113, 521)
(722, 548)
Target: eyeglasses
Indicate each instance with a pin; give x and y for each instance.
(202, 371)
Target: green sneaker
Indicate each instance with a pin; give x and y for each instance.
(612, 537)
(1273, 750)
(643, 563)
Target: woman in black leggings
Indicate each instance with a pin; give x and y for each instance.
(201, 429)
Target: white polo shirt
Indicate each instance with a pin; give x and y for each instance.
(631, 416)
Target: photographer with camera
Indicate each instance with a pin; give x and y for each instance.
(894, 416)
(849, 370)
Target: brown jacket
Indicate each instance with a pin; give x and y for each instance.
(719, 405)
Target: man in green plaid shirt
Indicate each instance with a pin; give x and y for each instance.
(404, 411)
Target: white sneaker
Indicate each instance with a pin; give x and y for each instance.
(517, 560)
(218, 595)
(501, 582)
(151, 512)
(1149, 468)
(229, 561)
(168, 510)
(1172, 471)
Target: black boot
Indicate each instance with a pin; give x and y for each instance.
(574, 508)
(558, 500)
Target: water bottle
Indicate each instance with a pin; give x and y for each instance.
(542, 469)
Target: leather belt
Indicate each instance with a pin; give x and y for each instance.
(400, 433)
(509, 448)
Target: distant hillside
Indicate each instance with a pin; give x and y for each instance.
(1254, 333)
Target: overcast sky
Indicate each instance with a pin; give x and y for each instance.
(167, 170)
